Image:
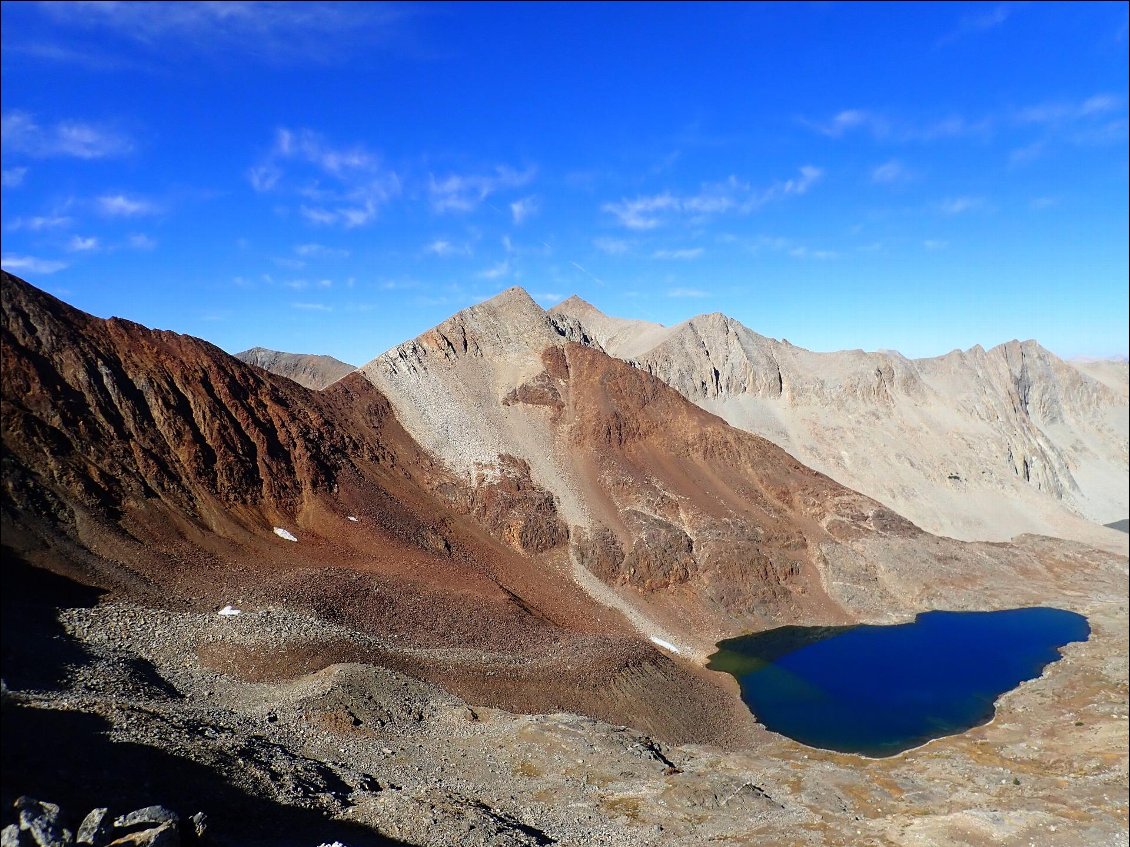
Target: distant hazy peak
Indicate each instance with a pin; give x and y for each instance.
(312, 371)
(576, 307)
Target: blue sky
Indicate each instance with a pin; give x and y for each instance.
(337, 178)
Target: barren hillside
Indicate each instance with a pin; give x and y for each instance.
(974, 445)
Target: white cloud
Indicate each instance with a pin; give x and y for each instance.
(119, 205)
(960, 205)
(1061, 112)
(41, 222)
(31, 264)
(300, 162)
(312, 307)
(1027, 154)
(852, 119)
(272, 32)
(141, 241)
(731, 196)
(320, 251)
(683, 254)
(443, 247)
(642, 213)
(612, 246)
(497, 271)
(78, 244)
(21, 133)
(346, 216)
(465, 192)
(890, 173)
(687, 292)
(12, 177)
(549, 297)
(522, 209)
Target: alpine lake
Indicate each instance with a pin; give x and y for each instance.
(880, 690)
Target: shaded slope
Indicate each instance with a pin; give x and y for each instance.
(316, 372)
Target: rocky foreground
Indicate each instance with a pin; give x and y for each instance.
(122, 706)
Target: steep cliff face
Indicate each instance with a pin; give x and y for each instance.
(976, 444)
(316, 372)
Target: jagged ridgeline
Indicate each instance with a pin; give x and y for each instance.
(977, 444)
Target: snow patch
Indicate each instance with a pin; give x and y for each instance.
(282, 533)
(229, 612)
(353, 519)
(666, 645)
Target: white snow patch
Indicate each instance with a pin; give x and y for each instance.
(353, 518)
(229, 612)
(666, 645)
(282, 533)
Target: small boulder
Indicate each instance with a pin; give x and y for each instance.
(152, 815)
(95, 828)
(10, 836)
(42, 822)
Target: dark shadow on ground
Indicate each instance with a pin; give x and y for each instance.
(1122, 525)
(57, 752)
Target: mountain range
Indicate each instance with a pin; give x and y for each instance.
(535, 512)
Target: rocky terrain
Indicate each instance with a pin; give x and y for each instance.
(977, 444)
(315, 372)
(462, 597)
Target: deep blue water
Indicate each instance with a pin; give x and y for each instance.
(879, 690)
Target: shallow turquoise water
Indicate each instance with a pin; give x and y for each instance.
(879, 690)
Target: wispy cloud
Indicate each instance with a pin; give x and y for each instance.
(980, 21)
(497, 271)
(687, 292)
(31, 264)
(466, 192)
(731, 196)
(683, 254)
(612, 246)
(12, 177)
(123, 206)
(272, 32)
(79, 244)
(935, 244)
(960, 205)
(885, 128)
(20, 132)
(40, 223)
(1059, 112)
(320, 251)
(312, 307)
(891, 172)
(360, 185)
(141, 241)
(443, 247)
(524, 208)
(1040, 203)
